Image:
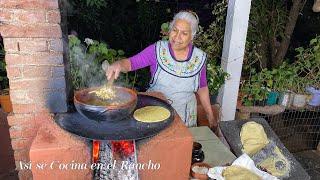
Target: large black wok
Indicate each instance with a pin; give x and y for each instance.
(83, 101)
(125, 129)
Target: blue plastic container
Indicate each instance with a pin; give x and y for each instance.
(272, 98)
(315, 100)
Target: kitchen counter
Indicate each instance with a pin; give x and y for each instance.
(215, 152)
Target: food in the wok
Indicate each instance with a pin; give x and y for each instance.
(105, 93)
(239, 173)
(151, 114)
(105, 96)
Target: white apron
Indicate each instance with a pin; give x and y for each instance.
(179, 80)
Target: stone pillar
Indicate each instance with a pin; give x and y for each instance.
(34, 56)
(232, 54)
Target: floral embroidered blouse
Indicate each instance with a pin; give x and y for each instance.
(147, 57)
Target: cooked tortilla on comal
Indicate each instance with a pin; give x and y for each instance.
(151, 114)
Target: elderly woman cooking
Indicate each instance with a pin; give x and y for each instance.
(178, 69)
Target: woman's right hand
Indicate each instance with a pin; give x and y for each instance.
(113, 70)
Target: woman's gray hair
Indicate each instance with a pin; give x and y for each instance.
(190, 17)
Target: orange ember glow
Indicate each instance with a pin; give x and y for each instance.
(95, 150)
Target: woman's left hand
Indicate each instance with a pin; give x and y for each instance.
(213, 124)
(205, 101)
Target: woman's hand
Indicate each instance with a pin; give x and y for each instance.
(213, 124)
(212, 121)
(114, 69)
(205, 101)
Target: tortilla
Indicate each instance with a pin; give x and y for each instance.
(253, 138)
(239, 173)
(151, 114)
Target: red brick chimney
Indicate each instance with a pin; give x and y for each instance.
(34, 55)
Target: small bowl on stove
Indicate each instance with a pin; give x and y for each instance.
(200, 171)
(87, 105)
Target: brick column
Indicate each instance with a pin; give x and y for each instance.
(34, 56)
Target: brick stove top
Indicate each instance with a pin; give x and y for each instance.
(171, 148)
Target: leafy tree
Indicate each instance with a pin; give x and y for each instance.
(270, 29)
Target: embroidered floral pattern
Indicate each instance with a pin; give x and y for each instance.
(187, 68)
(192, 115)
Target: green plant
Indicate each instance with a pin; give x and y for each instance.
(278, 79)
(254, 88)
(283, 77)
(96, 3)
(210, 39)
(86, 60)
(164, 33)
(216, 77)
(300, 83)
(265, 30)
(86, 15)
(257, 87)
(307, 67)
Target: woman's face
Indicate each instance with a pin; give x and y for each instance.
(180, 35)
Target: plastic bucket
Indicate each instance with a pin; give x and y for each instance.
(272, 98)
(285, 99)
(315, 99)
(299, 100)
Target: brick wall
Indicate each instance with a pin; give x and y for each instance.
(34, 55)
